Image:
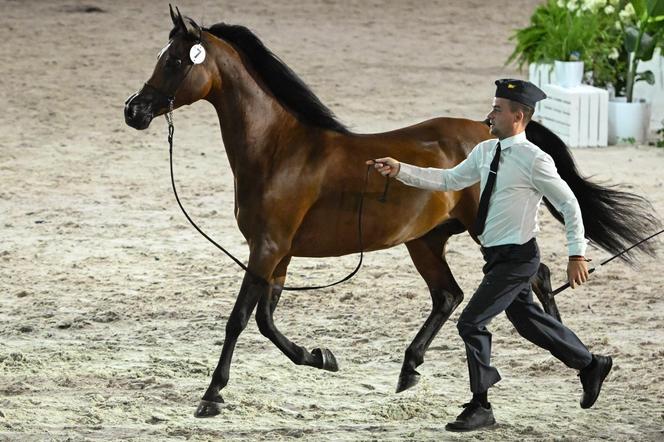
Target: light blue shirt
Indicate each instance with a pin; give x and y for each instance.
(525, 174)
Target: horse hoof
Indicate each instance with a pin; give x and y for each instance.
(325, 359)
(407, 380)
(208, 409)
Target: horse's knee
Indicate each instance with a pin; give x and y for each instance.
(454, 298)
(236, 323)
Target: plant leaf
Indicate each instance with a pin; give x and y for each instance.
(655, 7)
(631, 36)
(646, 76)
(646, 47)
(640, 7)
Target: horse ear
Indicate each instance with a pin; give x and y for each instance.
(173, 17)
(192, 28)
(188, 26)
(179, 20)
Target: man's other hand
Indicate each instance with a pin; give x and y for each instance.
(577, 272)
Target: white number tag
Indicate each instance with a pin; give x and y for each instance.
(197, 54)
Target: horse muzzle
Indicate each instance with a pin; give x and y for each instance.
(138, 112)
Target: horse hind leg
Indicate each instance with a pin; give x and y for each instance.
(319, 358)
(541, 285)
(427, 253)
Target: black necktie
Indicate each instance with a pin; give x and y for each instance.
(486, 193)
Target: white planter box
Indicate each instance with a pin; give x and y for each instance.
(539, 75)
(579, 115)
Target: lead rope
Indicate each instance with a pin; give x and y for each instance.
(171, 131)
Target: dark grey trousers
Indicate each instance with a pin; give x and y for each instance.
(506, 287)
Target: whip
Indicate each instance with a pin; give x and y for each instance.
(606, 261)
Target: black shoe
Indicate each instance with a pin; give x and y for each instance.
(472, 418)
(592, 378)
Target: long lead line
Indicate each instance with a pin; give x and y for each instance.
(171, 131)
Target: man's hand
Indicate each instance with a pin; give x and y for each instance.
(577, 271)
(386, 166)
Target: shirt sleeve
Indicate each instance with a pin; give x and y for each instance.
(464, 174)
(546, 180)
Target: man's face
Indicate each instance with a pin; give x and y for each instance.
(501, 118)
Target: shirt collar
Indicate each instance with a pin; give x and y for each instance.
(515, 139)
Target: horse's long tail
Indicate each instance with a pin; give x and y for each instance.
(613, 219)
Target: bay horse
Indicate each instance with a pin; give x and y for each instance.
(300, 175)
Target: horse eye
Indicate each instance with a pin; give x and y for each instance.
(173, 62)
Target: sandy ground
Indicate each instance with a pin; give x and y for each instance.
(112, 309)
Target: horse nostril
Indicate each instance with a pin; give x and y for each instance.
(129, 111)
(130, 115)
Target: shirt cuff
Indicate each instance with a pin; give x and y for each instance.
(405, 170)
(577, 248)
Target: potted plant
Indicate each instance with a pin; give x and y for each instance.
(570, 34)
(643, 29)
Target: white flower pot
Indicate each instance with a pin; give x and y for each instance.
(629, 122)
(655, 92)
(568, 73)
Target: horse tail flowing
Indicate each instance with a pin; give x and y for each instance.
(613, 219)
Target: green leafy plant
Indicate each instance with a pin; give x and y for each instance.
(529, 41)
(640, 39)
(571, 37)
(568, 30)
(609, 36)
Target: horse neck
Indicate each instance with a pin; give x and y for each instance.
(248, 116)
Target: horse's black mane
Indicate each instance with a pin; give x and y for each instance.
(278, 78)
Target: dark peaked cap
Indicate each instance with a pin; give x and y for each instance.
(521, 91)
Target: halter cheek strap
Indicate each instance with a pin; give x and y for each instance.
(171, 97)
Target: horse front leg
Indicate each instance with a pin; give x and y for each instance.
(250, 291)
(319, 358)
(262, 262)
(427, 253)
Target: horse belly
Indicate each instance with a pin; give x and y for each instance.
(407, 214)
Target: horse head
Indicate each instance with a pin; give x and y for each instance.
(182, 75)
